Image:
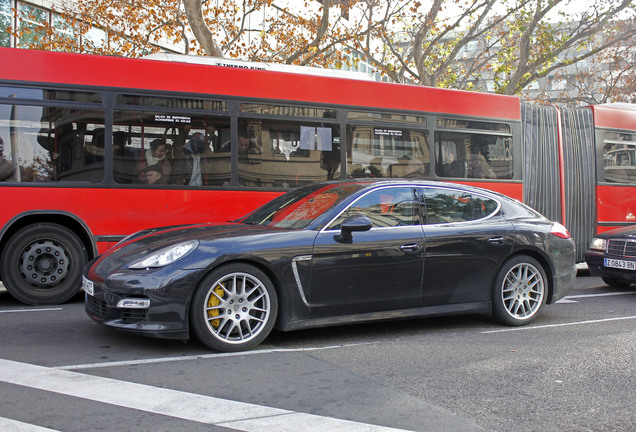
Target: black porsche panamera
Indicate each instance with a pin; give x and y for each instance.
(335, 253)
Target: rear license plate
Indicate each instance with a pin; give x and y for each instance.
(620, 264)
(87, 286)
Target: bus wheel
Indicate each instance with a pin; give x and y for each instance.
(520, 291)
(43, 264)
(234, 308)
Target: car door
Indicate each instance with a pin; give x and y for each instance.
(378, 269)
(467, 240)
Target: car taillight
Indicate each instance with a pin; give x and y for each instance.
(560, 231)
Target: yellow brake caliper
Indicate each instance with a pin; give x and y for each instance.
(214, 301)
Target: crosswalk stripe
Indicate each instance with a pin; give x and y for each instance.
(8, 425)
(199, 408)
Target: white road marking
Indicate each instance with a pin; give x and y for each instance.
(8, 425)
(198, 408)
(609, 294)
(570, 299)
(31, 310)
(559, 325)
(203, 356)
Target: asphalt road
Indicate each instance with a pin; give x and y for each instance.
(571, 370)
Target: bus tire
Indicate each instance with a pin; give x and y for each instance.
(43, 263)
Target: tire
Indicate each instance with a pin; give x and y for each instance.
(42, 264)
(520, 291)
(616, 283)
(234, 308)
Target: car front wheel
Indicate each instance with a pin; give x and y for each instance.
(520, 291)
(234, 308)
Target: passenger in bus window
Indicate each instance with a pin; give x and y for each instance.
(154, 175)
(192, 167)
(69, 147)
(330, 160)
(243, 145)
(6, 167)
(157, 155)
(451, 167)
(415, 169)
(120, 141)
(478, 164)
(124, 160)
(246, 145)
(94, 147)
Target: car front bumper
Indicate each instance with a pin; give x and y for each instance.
(595, 263)
(142, 305)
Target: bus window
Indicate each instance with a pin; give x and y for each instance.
(470, 155)
(387, 151)
(186, 150)
(619, 157)
(287, 153)
(48, 144)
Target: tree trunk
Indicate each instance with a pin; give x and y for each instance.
(201, 31)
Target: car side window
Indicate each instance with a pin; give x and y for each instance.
(448, 205)
(388, 207)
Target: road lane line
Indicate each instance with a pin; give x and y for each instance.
(8, 425)
(570, 299)
(31, 310)
(203, 356)
(609, 294)
(188, 406)
(559, 325)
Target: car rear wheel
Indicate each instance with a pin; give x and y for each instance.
(616, 283)
(43, 263)
(234, 308)
(520, 291)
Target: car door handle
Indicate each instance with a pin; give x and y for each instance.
(496, 240)
(410, 247)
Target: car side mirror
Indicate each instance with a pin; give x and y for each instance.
(357, 222)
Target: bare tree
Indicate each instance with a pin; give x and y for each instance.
(542, 47)
(194, 13)
(445, 43)
(513, 42)
(608, 77)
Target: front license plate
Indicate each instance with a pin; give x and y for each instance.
(87, 286)
(620, 264)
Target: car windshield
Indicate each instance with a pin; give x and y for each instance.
(298, 208)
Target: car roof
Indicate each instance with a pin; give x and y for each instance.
(375, 182)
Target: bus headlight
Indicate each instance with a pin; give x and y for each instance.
(166, 256)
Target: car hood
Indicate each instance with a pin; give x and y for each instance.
(145, 243)
(628, 231)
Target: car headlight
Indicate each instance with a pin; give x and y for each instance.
(166, 256)
(598, 244)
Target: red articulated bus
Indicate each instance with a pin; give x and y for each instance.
(95, 148)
